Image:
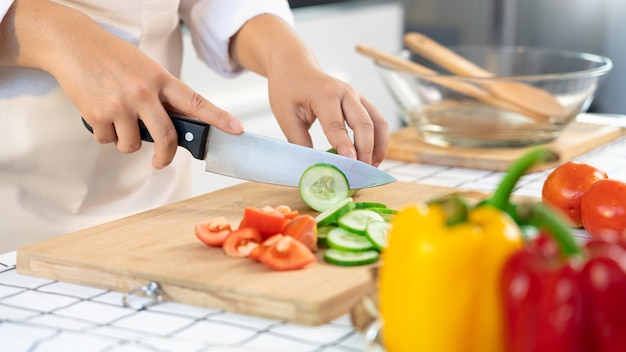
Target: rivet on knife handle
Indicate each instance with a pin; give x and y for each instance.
(192, 134)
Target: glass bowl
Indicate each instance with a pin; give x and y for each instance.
(445, 115)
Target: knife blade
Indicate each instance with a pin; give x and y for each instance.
(259, 158)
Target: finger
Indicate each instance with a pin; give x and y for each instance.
(381, 133)
(294, 126)
(103, 132)
(359, 120)
(337, 134)
(161, 128)
(127, 130)
(189, 103)
(332, 121)
(298, 133)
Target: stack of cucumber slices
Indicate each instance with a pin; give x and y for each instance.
(354, 232)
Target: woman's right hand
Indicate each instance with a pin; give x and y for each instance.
(112, 82)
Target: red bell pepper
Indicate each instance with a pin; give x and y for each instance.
(603, 283)
(542, 304)
(562, 297)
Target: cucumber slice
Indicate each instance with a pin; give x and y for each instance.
(322, 185)
(357, 220)
(367, 205)
(385, 213)
(344, 240)
(383, 210)
(343, 258)
(332, 214)
(322, 235)
(377, 233)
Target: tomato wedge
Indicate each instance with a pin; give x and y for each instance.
(287, 254)
(241, 242)
(304, 229)
(287, 211)
(258, 250)
(213, 231)
(267, 220)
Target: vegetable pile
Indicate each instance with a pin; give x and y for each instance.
(565, 186)
(500, 275)
(588, 198)
(280, 237)
(355, 232)
(352, 233)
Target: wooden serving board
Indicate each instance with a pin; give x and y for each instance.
(406, 145)
(159, 245)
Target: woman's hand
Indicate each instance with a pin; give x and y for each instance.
(113, 83)
(300, 92)
(300, 96)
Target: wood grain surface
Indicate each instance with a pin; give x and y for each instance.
(159, 245)
(406, 145)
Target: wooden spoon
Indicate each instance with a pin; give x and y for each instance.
(448, 82)
(526, 96)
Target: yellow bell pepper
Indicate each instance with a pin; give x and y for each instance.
(439, 283)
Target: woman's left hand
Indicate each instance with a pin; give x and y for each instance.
(300, 96)
(301, 92)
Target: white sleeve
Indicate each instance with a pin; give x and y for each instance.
(213, 22)
(4, 7)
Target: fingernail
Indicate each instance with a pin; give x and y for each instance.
(236, 126)
(348, 152)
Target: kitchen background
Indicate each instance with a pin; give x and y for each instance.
(593, 26)
(333, 28)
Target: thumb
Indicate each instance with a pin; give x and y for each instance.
(180, 98)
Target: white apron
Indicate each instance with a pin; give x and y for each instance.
(54, 177)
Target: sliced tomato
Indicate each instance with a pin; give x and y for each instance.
(241, 242)
(304, 229)
(257, 251)
(287, 211)
(213, 231)
(267, 220)
(287, 254)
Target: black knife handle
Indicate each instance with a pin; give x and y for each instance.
(192, 133)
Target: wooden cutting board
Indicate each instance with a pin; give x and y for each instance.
(159, 245)
(406, 145)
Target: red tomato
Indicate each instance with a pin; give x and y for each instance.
(603, 209)
(258, 250)
(267, 220)
(304, 229)
(213, 231)
(241, 242)
(287, 211)
(565, 186)
(287, 254)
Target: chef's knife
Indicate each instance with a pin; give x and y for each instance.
(258, 158)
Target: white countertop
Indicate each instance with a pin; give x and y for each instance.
(45, 315)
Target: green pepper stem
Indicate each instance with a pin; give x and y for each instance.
(455, 208)
(543, 218)
(500, 198)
